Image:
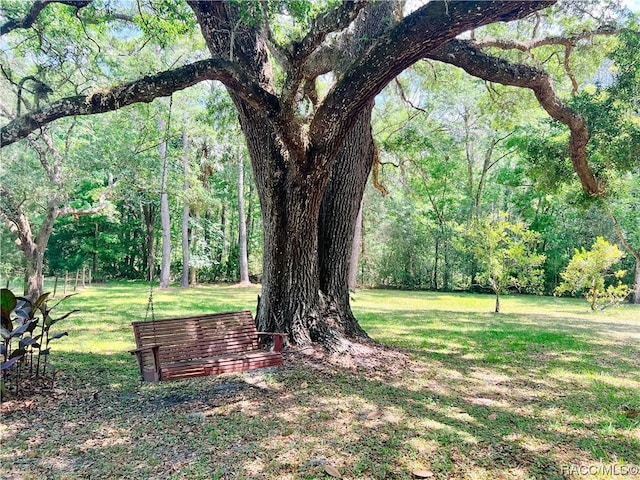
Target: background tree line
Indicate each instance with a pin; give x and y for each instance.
(442, 167)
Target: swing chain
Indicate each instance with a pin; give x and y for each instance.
(150, 306)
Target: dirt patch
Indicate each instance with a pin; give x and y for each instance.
(366, 356)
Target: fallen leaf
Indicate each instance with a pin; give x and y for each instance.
(333, 471)
(493, 416)
(422, 474)
(630, 412)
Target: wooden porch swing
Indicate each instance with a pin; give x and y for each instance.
(201, 345)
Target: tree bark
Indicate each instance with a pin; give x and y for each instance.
(337, 223)
(165, 220)
(184, 283)
(34, 279)
(223, 256)
(193, 271)
(243, 260)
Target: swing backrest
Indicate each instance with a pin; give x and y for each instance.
(199, 336)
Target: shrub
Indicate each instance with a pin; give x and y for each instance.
(27, 336)
(587, 273)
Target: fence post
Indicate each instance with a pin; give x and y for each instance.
(55, 286)
(75, 285)
(66, 281)
(83, 277)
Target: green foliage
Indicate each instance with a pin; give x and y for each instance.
(165, 20)
(505, 254)
(625, 57)
(11, 258)
(20, 319)
(544, 149)
(587, 273)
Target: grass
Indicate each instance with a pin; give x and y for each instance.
(534, 393)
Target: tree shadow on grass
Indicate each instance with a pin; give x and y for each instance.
(453, 414)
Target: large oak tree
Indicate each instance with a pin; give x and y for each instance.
(311, 153)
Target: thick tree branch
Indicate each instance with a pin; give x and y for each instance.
(278, 51)
(332, 21)
(462, 54)
(528, 45)
(568, 42)
(30, 18)
(143, 90)
(424, 30)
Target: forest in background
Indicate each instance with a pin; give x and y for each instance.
(454, 153)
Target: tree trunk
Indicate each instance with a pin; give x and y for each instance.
(446, 273)
(221, 257)
(185, 215)
(165, 220)
(355, 250)
(34, 280)
(34, 248)
(436, 255)
(94, 262)
(149, 214)
(243, 260)
(337, 223)
(343, 196)
(290, 181)
(308, 233)
(497, 310)
(249, 222)
(290, 201)
(193, 271)
(636, 292)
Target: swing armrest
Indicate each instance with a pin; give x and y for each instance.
(135, 351)
(277, 341)
(138, 352)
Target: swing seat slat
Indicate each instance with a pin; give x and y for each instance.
(186, 347)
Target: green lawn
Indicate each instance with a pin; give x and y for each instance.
(538, 392)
